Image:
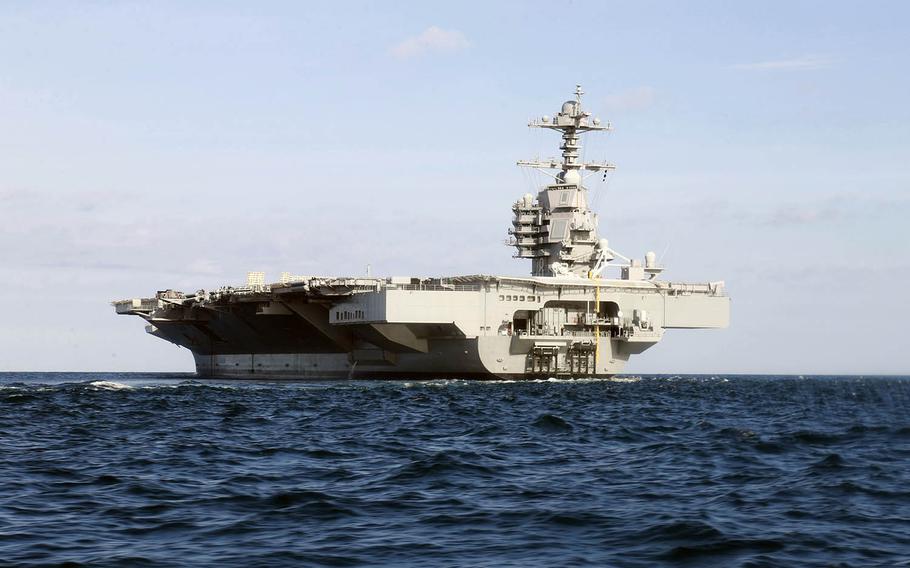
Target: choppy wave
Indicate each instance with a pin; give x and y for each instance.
(109, 385)
(123, 470)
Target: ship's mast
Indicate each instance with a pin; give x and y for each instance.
(558, 231)
(572, 121)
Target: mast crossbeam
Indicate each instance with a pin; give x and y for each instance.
(554, 164)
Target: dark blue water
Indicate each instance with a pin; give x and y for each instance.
(154, 470)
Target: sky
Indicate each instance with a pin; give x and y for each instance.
(154, 145)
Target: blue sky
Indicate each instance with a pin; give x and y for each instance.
(153, 145)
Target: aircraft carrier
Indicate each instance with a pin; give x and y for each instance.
(567, 319)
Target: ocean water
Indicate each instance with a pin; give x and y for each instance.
(164, 470)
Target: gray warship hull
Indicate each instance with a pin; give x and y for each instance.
(476, 327)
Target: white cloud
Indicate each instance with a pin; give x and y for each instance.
(846, 207)
(632, 99)
(804, 63)
(432, 39)
(796, 215)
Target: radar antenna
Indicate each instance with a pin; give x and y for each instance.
(572, 121)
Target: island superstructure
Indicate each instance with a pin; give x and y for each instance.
(567, 319)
